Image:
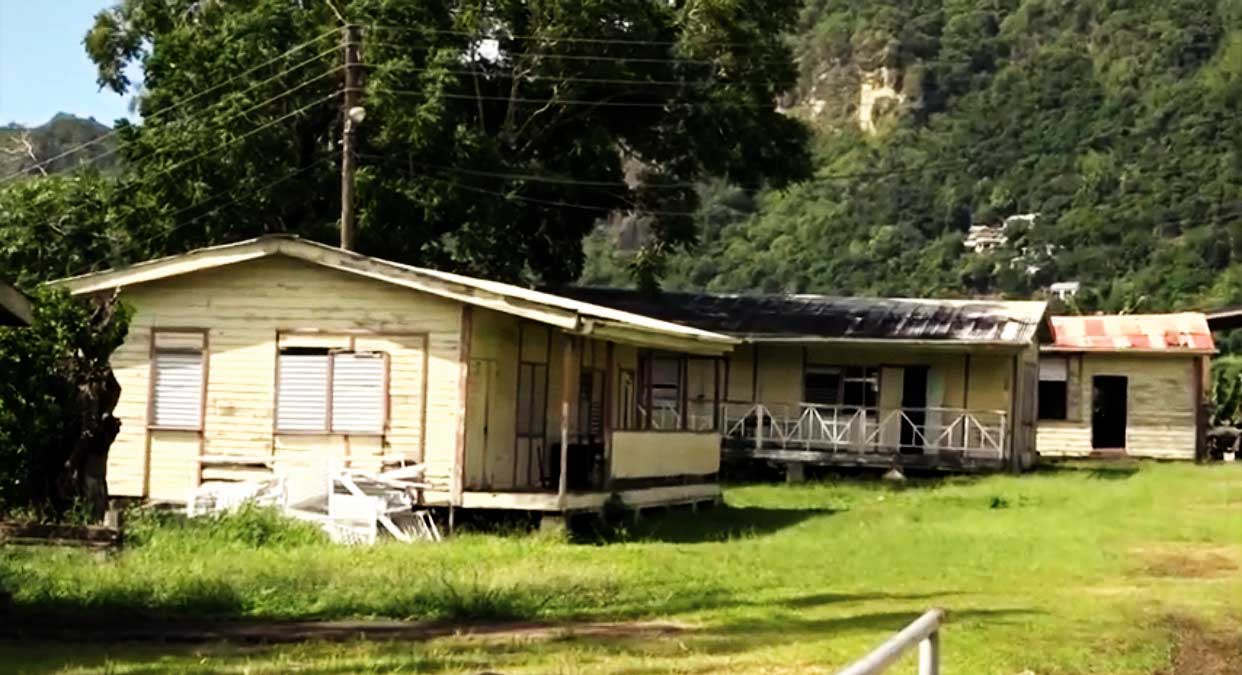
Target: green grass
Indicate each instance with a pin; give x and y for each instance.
(1079, 569)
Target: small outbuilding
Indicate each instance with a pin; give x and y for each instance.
(1129, 385)
(280, 357)
(15, 307)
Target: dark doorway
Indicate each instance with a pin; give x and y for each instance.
(914, 402)
(1108, 412)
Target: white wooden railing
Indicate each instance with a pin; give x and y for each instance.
(666, 416)
(849, 429)
(924, 632)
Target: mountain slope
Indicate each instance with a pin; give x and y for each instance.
(1116, 123)
(21, 148)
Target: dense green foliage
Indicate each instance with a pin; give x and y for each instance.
(1116, 122)
(1077, 570)
(44, 366)
(482, 120)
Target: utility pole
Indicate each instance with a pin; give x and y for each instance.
(352, 115)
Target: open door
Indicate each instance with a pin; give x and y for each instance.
(1108, 412)
(914, 406)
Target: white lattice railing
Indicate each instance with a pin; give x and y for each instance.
(850, 429)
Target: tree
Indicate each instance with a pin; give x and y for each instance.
(496, 134)
(57, 397)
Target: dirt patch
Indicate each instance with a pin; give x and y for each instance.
(1190, 564)
(1199, 651)
(280, 632)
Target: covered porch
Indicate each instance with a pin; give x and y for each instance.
(562, 421)
(878, 404)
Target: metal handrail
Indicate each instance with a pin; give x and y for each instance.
(924, 632)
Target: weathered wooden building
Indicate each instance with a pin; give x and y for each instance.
(15, 307)
(282, 356)
(1133, 385)
(938, 384)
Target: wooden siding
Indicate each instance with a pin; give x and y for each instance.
(650, 454)
(245, 307)
(1162, 406)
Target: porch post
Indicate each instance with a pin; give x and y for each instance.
(609, 383)
(1016, 407)
(567, 381)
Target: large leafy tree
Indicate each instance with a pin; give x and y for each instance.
(497, 132)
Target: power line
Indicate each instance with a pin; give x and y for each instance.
(184, 101)
(587, 80)
(135, 245)
(587, 57)
(551, 202)
(582, 102)
(244, 136)
(548, 38)
(240, 113)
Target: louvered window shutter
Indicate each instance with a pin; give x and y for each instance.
(358, 404)
(178, 390)
(302, 401)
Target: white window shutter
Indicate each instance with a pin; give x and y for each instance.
(358, 404)
(178, 390)
(302, 402)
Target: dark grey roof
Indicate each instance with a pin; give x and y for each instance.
(1226, 318)
(775, 317)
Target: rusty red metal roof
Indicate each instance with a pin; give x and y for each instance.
(1184, 332)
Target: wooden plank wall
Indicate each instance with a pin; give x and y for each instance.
(1161, 412)
(245, 306)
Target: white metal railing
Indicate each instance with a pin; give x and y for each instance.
(924, 632)
(839, 428)
(667, 416)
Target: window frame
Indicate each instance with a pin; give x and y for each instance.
(1065, 391)
(329, 429)
(152, 357)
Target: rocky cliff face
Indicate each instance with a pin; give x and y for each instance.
(28, 149)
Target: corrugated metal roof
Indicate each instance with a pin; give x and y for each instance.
(778, 317)
(567, 313)
(1184, 332)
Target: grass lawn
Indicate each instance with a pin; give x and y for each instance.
(1083, 568)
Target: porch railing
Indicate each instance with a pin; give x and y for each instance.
(667, 416)
(835, 428)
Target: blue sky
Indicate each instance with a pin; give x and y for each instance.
(43, 67)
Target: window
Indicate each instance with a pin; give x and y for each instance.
(660, 387)
(177, 380)
(822, 385)
(322, 391)
(1053, 388)
(861, 387)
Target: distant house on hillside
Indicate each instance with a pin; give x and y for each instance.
(1132, 385)
(280, 357)
(15, 307)
(936, 384)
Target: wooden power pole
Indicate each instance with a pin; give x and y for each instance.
(351, 116)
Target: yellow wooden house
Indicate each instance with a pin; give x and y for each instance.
(279, 356)
(872, 382)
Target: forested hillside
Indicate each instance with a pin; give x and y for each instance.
(47, 145)
(1118, 123)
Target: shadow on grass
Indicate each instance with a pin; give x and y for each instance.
(1118, 469)
(501, 652)
(683, 526)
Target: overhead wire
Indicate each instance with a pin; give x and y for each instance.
(287, 176)
(182, 102)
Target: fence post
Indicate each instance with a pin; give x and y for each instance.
(929, 655)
